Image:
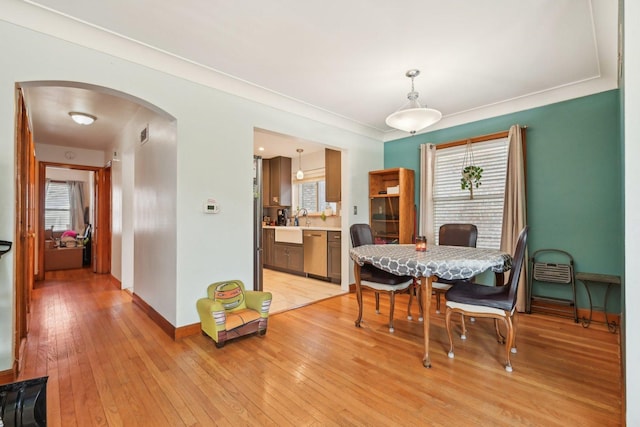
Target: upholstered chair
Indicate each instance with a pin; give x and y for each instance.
(496, 302)
(230, 311)
(452, 235)
(375, 279)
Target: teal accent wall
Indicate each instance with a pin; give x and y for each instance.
(574, 180)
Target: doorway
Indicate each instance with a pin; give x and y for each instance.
(288, 281)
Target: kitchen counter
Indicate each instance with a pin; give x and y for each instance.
(303, 228)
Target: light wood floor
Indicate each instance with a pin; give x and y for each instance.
(109, 364)
(290, 291)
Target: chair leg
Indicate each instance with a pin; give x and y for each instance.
(514, 322)
(392, 301)
(501, 339)
(420, 306)
(377, 302)
(412, 290)
(510, 339)
(437, 302)
(447, 321)
(359, 298)
(463, 336)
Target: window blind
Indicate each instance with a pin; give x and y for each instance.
(57, 213)
(453, 205)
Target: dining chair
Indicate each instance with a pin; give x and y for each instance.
(453, 235)
(496, 302)
(374, 278)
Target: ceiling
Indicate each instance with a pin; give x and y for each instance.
(344, 62)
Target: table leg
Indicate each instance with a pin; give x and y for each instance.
(356, 273)
(425, 291)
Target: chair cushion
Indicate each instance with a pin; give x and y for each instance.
(388, 288)
(240, 317)
(476, 294)
(370, 273)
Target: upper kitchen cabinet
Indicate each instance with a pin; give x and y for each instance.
(280, 181)
(333, 175)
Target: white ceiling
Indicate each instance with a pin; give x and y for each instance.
(344, 62)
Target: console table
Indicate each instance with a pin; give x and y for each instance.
(605, 279)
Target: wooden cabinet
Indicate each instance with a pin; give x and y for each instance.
(333, 175)
(266, 182)
(289, 257)
(268, 240)
(392, 206)
(280, 181)
(334, 249)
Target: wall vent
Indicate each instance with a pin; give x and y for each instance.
(144, 135)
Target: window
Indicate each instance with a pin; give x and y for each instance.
(453, 205)
(309, 194)
(57, 210)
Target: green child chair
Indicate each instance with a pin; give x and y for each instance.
(230, 311)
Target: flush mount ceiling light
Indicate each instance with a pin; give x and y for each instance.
(413, 117)
(82, 118)
(299, 174)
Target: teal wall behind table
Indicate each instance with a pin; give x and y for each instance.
(574, 181)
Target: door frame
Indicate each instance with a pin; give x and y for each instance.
(101, 229)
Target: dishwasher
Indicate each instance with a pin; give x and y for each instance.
(315, 252)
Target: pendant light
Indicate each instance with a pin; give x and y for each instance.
(413, 117)
(299, 174)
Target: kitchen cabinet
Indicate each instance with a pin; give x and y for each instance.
(266, 182)
(392, 206)
(288, 256)
(268, 240)
(334, 255)
(333, 175)
(280, 181)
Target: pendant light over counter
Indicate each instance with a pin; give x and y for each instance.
(300, 173)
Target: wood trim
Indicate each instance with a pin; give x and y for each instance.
(187, 331)
(156, 317)
(102, 229)
(42, 177)
(7, 376)
(25, 232)
(475, 139)
(168, 328)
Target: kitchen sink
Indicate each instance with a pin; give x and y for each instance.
(289, 235)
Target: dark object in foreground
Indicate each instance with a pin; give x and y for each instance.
(24, 403)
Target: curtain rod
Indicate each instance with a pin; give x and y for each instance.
(481, 138)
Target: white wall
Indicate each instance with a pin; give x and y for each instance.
(631, 318)
(57, 154)
(213, 158)
(154, 207)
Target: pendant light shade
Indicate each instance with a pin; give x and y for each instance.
(299, 174)
(413, 117)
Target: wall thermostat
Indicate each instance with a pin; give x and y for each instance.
(211, 206)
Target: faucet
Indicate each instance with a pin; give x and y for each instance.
(305, 214)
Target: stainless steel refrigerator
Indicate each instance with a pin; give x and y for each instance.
(257, 223)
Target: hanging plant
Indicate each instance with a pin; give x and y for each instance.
(471, 173)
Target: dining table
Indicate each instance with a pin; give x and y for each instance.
(447, 262)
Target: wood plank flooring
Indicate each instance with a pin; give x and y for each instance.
(110, 365)
(290, 291)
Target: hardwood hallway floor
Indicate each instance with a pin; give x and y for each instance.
(109, 364)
